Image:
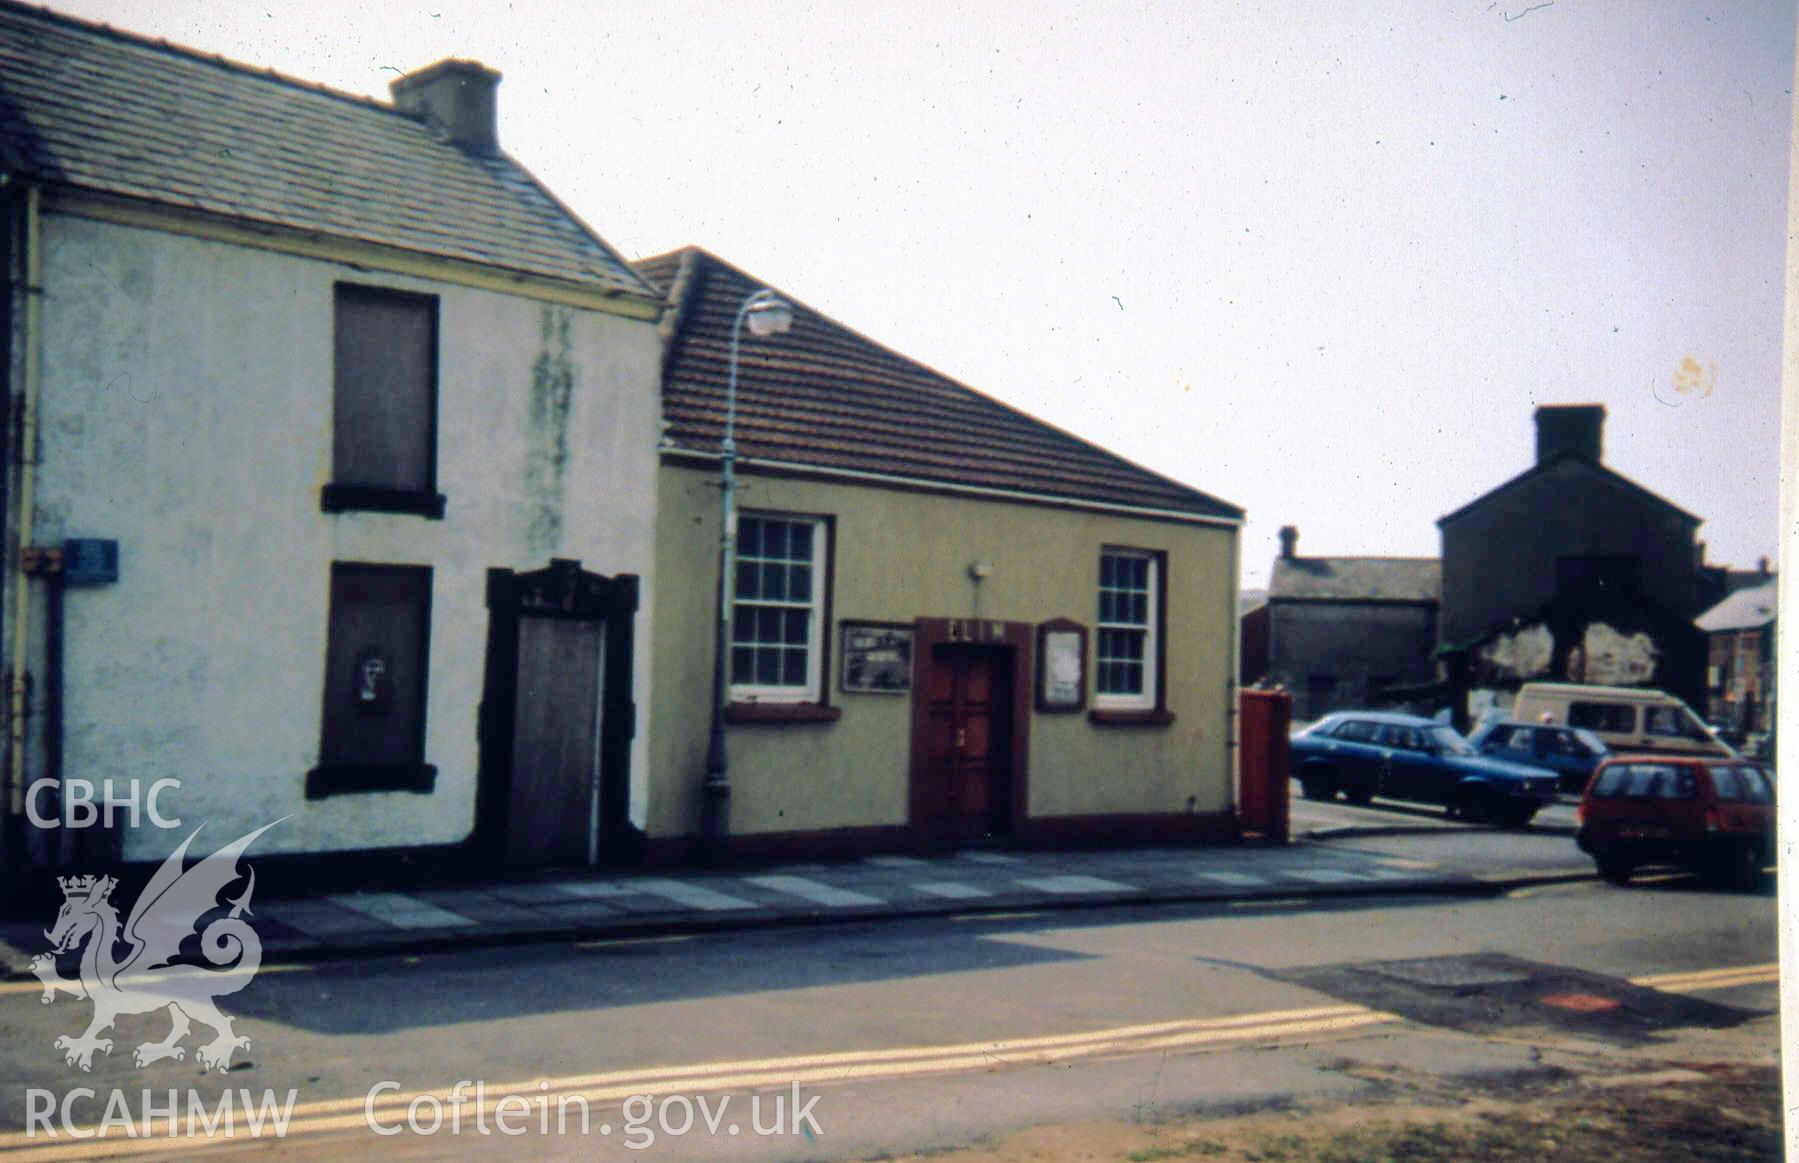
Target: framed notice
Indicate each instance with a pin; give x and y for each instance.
(1061, 666)
(877, 658)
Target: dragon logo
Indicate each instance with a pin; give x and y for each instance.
(147, 977)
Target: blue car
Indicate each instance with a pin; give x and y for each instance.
(1571, 752)
(1362, 754)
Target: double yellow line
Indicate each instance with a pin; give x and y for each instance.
(600, 1090)
(1703, 979)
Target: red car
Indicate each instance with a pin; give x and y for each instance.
(1713, 815)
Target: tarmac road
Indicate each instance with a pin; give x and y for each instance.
(924, 1033)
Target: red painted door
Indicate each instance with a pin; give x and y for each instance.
(968, 745)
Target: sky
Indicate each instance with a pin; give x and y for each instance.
(1321, 261)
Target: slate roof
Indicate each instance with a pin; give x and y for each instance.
(823, 396)
(87, 106)
(1356, 579)
(1567, 458)
(1743, 610)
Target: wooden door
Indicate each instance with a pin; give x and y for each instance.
(968, 745)
(555, 744)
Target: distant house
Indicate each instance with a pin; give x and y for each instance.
(1347, 632)
(1740, 671)
(334, 464)
(1572, 571)
(949, 622)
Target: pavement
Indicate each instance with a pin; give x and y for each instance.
(579, 905)
(1335, 820)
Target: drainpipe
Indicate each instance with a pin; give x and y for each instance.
(28, 452)
(1233, 743)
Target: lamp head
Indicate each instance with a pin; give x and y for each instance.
(770, 316)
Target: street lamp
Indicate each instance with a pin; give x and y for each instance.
(766, 313)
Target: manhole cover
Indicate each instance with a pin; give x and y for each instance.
(1449, 972)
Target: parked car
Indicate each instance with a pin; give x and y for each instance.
(1713, 815)
(1571, 752)
(1362, 754)
(1633, 719)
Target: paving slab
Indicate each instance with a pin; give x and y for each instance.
(977, 881)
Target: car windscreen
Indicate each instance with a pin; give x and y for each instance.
(1742, 785)
(1588, 742)
(1646, 781)
(1674, 723)
(1449, 742)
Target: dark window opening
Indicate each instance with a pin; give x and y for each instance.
(376, 655)
(384, 399)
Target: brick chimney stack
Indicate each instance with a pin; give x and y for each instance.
(1576, 429)
(1289, 540)
(458, 98)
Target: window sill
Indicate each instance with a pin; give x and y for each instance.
(340, 778)
(374, 499)
(1148, 717)
(781, 713)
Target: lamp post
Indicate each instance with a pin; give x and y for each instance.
(766, 313)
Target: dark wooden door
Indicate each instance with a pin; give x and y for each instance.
(555, 744)
(968, 745)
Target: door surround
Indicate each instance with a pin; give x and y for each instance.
(561, 590)
(1017, 640)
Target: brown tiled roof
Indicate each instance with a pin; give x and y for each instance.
(1356, 579)
(823, 396)
(86, 106)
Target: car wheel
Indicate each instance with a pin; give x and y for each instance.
(1317, 785)
(1614, 869)
(1359, 794)
(1475, 805)
(1518, 817)
(1740, 868)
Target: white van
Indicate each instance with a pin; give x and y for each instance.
(1628, 719)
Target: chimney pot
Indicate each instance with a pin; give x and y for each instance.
(458, 97)
(1576, 429)
(1289, 540)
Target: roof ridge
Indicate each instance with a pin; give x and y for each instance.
(1101, 450)
(199, 56)
(1568, 456)
(1359, 557)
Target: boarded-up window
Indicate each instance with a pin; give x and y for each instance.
(376, 655)
(384, 443)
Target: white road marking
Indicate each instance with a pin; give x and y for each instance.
(813, 890)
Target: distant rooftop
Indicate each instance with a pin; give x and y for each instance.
(1367, 579)
(1746, 609)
